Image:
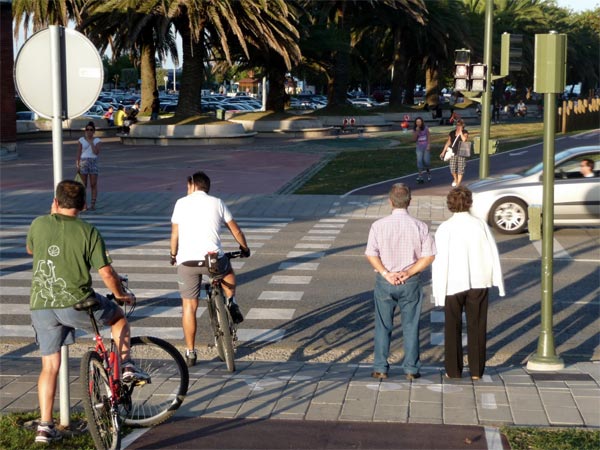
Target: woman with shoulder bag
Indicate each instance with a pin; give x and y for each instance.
(458, 160)
(87, 160)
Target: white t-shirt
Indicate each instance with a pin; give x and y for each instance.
(86, 148)
(199, 217)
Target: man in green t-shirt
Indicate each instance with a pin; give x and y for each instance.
(65, 249)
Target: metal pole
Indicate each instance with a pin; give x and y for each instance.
(486, 99)
(57, 57)
(546, 358)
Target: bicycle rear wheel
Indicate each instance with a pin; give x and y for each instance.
(96, 397)
(154, 402)
(224, 335)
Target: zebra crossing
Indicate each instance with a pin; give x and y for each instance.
(138, 246)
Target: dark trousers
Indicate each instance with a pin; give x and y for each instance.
(475, 304)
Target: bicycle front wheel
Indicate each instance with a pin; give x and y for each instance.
(224, 335)
(96, 396)
(154, 402)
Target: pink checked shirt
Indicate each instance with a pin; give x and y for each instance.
(399, 240)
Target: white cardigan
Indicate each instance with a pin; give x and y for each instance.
(467, 258)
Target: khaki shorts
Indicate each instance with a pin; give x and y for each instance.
(189, 279)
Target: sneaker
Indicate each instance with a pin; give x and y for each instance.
(132, 374)
(428, 177)
(453, 184)
(236, 314)
(190, 358)
(46, 434)
(419, 180)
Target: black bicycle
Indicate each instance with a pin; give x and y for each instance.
(109, 401)
(223, 327)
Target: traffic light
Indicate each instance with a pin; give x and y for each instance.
(511, 55)
(462, 58)
(478, 77)
(467, 76)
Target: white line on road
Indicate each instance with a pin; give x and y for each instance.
(290, 279)
(559, 251)
(270, 313)
(281, 295)
(493, 438)
(298, 266)
(488, 401)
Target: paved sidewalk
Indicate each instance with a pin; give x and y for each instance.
(346, 392)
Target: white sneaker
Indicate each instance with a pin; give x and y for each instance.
(46, 434)
(453, 184)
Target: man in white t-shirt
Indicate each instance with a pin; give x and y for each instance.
(195, 231)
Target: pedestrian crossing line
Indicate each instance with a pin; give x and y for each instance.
(117, 263)
(141, 294)
(298, 266)
(168, 333)
(270, 314)
(260, 335)
(559, 251)
(439, 317)
(27, 218)
(281, 295)
(298, 254)
(329, 225)
(438, 339)
(133, 277)
(290, 279)
(333, 220)
(318, 238)
(313, 245)
(313, 231)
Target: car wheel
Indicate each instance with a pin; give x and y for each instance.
(509, 215)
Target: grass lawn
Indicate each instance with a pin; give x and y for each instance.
(355, 168)
(530, 438)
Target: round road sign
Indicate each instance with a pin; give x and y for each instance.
(33, 74)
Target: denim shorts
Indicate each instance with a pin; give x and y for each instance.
(88, 166)
(56, 327)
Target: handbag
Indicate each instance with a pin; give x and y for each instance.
(464, 149)
(449, 152)
(78, 177)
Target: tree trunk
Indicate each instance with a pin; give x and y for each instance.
(148, 75)
(191, 74)
(276, 97)
(432, 90)
(411, 83)
(339, 76)
(397, 70)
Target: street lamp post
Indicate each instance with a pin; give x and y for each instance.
(166, 79)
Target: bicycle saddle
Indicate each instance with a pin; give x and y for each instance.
(84, 305)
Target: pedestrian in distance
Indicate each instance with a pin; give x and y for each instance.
(87, 160)
(64, 248)
(120, 118)
(108, 116)
(399, 248)
(467, 264)
(195, 232)
(452, 145)
(421, 136)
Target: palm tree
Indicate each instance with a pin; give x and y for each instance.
(39, 14)
(138, 28)
(215, 27)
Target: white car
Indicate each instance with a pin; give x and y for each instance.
(503, 201)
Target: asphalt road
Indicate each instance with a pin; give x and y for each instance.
(500, 164)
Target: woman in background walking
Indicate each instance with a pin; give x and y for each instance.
(87, 160)
(422, 138)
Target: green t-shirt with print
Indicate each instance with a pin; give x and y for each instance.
(64, 250)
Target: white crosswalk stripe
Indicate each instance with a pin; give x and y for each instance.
(138, 245)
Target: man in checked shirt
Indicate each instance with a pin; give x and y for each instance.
(399, 248)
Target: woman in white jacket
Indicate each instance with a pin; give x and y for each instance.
(466, 266)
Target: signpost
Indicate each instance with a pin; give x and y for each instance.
(75, 80)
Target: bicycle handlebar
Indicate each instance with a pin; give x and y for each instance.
(232, 255)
